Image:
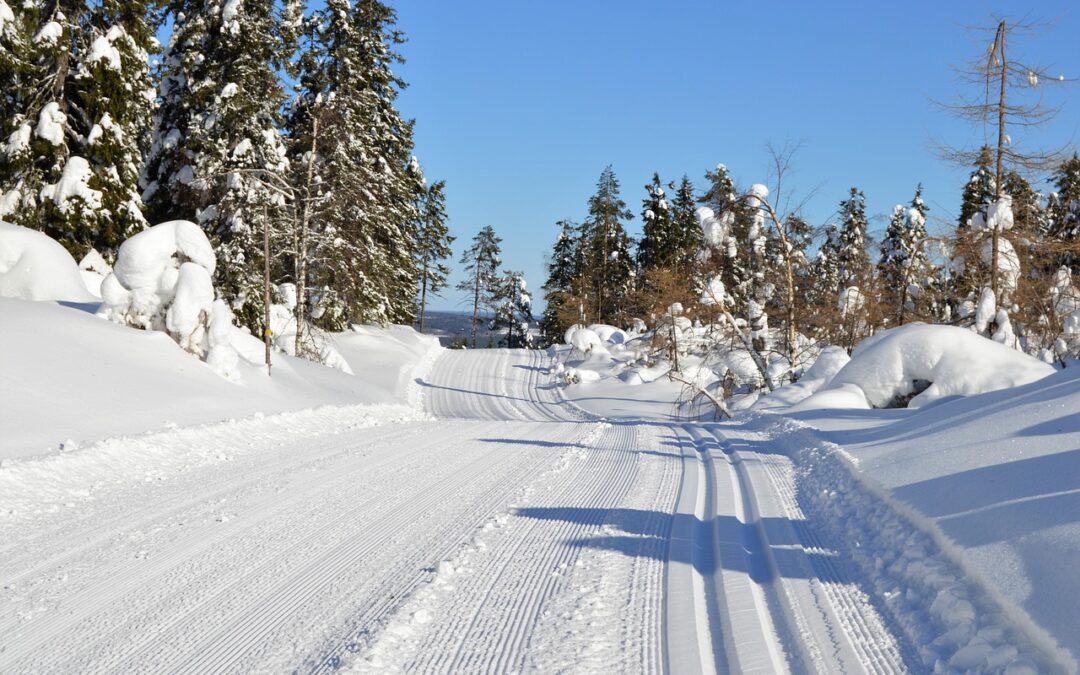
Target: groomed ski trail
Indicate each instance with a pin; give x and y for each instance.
(503, 531)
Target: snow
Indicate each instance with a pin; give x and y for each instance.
(67, 373)
(828, 363)
(73, 191)
(946, 360)
(102, 49)
(18, 141)
(35, 267)
(49, 34)
(51, 121)
(6, 16)
(990, 481)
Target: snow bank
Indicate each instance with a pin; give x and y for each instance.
(33, 266)
(929, 362)
(69, 375)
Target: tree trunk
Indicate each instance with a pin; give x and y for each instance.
(266, 286)
(301, 249)
(476, 304)
(423, 295)
(998, 174)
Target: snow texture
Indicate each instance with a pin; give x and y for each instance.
(927, 363)
(33, 266)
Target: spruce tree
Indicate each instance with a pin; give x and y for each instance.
(853, 263)
(1063, 214)
(75, 112)
(561, 287)
(730, 257)
(685, 231)
(904, 266)
(432, 245)
(217, 156)
(658, 247)
(979, 190)
(481, 263)
(346, 132)
(608, 263)
(113, 99)
(513, 310)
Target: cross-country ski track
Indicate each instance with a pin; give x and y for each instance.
(503, 530)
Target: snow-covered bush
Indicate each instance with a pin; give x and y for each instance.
(918, 363)
(94, 268)
(162, 281)
(33, 266)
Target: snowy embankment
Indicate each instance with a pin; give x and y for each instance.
(71, 378)
(961, 514)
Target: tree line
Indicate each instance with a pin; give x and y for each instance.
(728, 250)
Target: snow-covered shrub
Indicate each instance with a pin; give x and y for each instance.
(33, 266)
(94, 269)
(162, 281)
(918, 363)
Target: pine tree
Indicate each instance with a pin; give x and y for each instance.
(853, 263)
(481, 263)
(561, 287)
(658, 247)
(513, 310)
(433, 245)
(217, 155)
(904, 266)
(1063, 214)
(608, 262)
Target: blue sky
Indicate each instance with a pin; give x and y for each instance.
(519, 106)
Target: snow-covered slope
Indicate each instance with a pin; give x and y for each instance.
(995, 478)
(68, 375)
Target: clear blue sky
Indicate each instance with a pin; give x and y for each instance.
(519, 106)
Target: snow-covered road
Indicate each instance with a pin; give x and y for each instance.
(507, 532)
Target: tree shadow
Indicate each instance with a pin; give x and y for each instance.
(1001, 501)
(720, 542)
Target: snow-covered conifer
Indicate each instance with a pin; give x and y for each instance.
(658, 247)
(608, 263)
(904, 267)
(853, 263)
(217, 154)
(513, 310)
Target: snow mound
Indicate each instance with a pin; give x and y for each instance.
(33, 266)
(831, 360)
(929, 362)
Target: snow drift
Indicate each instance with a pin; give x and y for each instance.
(33, 266)
(924, 363)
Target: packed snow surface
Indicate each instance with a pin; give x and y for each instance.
(33, 266)
(940, 361)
